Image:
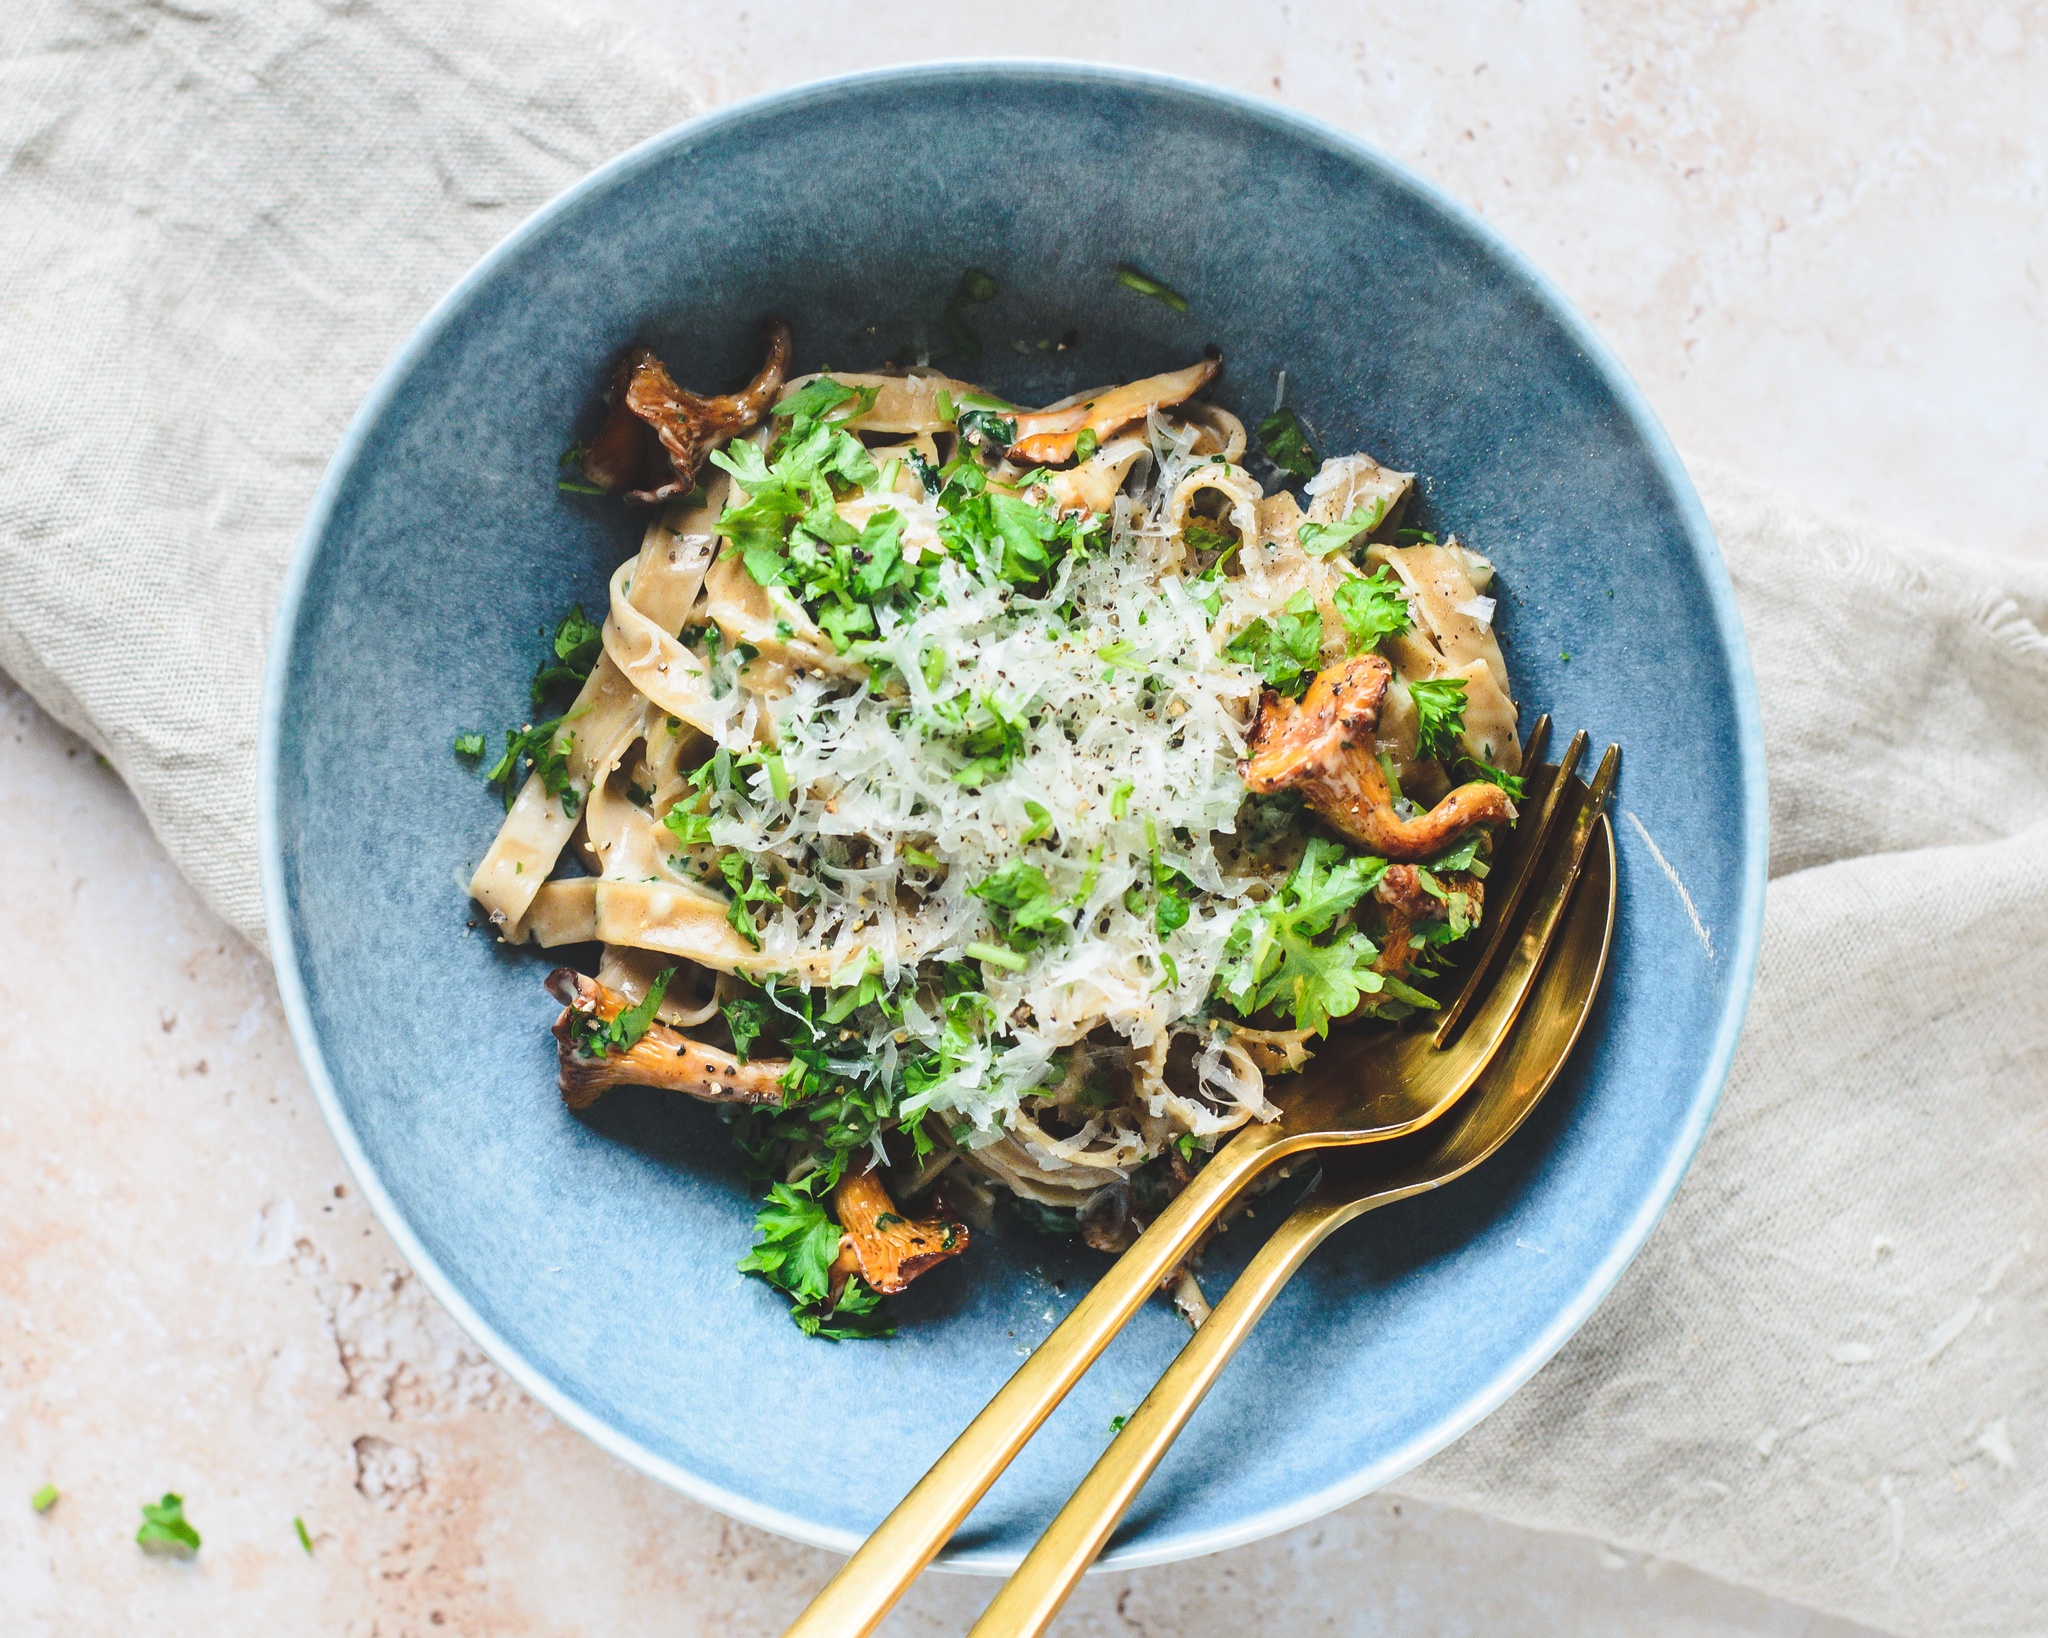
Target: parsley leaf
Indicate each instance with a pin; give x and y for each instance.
(750, 885)
(1321, 539)
(622, 1033)
(1145, 285)
(798, 1242)
(689, 819)
(1372, 607)
(1284, 953)
(982, 729)
(1465, 856)
(1205, 535)
(746, 1018)
(853, 1318)
(988, 429)
(1283, 650)
(1021, 907)
(817, 399)
(1513, 784)
(546, 746)
(577, 644)
(469, 745)
(1439, 714)
(1085, 444)
(1025, 531)
(1286, 444)
(165, 1527)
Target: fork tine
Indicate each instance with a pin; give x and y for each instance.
(1507, 896)
(1496, 1013)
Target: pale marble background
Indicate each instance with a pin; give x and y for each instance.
(1816, 235)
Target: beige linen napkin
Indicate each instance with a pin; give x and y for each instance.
(1827, 1376)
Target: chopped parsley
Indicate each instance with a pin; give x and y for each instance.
(1021, 906)
(1205, 535)
(1170, 912)
(599, 1039)
(751, 885)
(1439, 715)
(1284, 649)
(1372, 607)
(1321, 539)
(1290, 954)
(788, 532)
(165, 1527)
(798, 1244)
(1041, 822)
(1467, 855)
(1145, 285)
(543, 748)
(987, 733)
(817, 399)
(571, 462)
(577, 644)
(305, 1540)
(1116, 1423)
(44, 1499)
(746, 1018)
(987, 429)
(1086, 443)
(1513, 784)
(1286, 444)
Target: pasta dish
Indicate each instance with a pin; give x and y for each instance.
(992, 804)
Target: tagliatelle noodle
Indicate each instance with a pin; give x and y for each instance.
(1442, 594)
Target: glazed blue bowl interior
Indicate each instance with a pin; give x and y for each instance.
(594, 1256)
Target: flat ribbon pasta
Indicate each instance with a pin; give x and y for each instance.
(1455, 642)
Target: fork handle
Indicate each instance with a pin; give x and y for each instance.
(1034, 1593)
(867, 1586)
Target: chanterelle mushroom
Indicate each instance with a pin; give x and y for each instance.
(1046, 436)
(663, 1057)
(658, 435)
(1406, 902)
(883, 1247)
(1323, 747)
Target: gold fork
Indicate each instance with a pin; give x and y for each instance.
(1371, 1087)
(1353, 1184)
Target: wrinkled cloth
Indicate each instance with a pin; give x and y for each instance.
(1827, 1374)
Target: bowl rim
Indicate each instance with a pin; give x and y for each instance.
(1741, 956)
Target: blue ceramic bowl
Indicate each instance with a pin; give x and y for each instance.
(593, 1258)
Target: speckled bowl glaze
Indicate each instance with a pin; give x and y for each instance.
(593, 1257)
